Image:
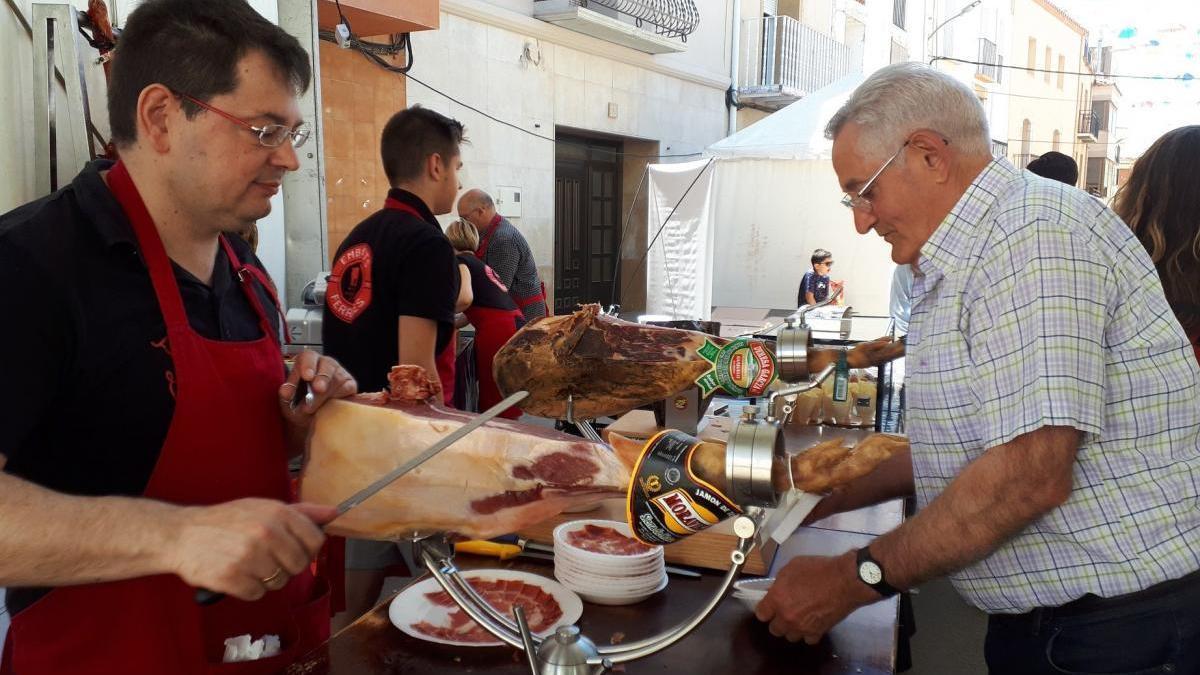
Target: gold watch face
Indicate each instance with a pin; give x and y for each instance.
(870, 573)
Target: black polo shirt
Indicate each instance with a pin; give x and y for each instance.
(486, 288)
(392, 264)
(89, 402)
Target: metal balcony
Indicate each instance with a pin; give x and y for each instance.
(1089, 126)
(651, 26)
(782, 61)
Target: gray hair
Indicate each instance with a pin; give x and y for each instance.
(904, 97)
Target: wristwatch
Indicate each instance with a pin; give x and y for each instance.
(870, 572)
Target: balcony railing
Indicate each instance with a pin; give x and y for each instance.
(782, 60)
(1089, 125)
(1022, 160)
(668, 18)
(988, 64)
(999, 149)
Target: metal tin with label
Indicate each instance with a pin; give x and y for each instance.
(666, 502)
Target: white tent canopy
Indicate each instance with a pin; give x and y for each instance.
(771, 198)
(795, 132)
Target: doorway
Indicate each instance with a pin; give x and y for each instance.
(587, 221)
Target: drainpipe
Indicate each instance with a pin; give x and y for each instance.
(734, 47)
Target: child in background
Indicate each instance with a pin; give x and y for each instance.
(816, 286)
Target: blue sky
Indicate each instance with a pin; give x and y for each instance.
(1149, 37)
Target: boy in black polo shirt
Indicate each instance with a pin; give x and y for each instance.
(393, 289)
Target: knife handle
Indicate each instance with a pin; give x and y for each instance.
(205, 597)
(488, 548)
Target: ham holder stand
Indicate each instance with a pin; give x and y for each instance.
(755, 443)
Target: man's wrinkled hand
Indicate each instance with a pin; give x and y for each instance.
(811, 595)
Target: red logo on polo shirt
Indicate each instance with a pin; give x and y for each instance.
(491, 273)
(349, 292)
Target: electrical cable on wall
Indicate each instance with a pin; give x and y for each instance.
(1186, 77)
(373, 51)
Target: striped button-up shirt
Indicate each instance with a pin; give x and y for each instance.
(1036, 306)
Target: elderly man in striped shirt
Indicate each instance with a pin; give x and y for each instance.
(1053, 404)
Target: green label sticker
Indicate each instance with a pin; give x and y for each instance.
(841, 379)
(741, 368)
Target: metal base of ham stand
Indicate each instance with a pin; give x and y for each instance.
(567, 651)
(585, 426)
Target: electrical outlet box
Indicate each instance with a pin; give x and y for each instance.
(508, 201)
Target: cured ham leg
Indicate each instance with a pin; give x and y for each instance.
(822, 468)
(500, 478)
(609, 366)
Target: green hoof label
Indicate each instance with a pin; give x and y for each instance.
(741, 368)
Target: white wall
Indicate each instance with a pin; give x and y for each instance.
(476, 57)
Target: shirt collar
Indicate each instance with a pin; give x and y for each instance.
(405, 197)
(101, 207)
(105, 213)
(950, 242)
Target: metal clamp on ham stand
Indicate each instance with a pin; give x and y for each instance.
(794, 341)
(755, 446)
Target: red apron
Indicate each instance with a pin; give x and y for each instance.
(522, 301)
(493, 328)
(225, 442)
(444, 360)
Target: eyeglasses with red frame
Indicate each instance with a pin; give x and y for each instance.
(270, 135)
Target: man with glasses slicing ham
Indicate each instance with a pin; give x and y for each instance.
(1053, 405)
(145, 439)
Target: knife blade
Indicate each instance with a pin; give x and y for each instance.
(206, 597)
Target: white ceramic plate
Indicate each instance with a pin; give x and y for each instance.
(586, 584)
(411, 606)
(622, 600)
(751, 591)
(560, 541)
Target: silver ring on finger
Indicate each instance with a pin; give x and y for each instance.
(270, 581)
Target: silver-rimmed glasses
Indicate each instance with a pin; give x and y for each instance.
(857, 200)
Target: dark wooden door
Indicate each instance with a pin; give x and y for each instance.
(586, 222)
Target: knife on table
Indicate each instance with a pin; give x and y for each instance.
(207, 597)
(504, 550)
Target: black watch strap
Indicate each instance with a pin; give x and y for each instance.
(871, 573)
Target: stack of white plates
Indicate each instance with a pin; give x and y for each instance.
(606, 578)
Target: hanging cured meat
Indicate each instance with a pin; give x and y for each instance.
(609, 366)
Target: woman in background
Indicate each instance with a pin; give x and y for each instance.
(1161, 204)
(492, 312)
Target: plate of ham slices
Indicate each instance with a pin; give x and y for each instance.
(424, 611)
